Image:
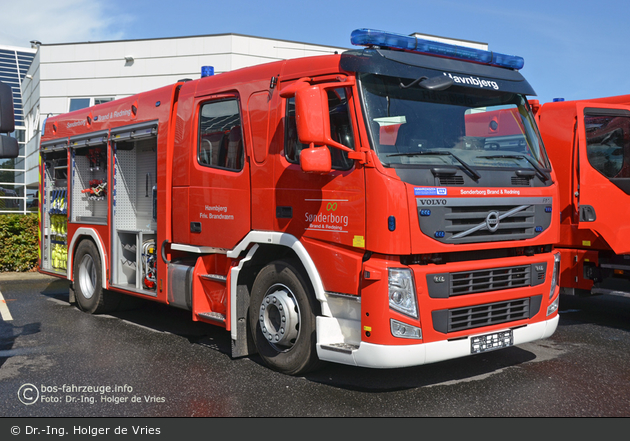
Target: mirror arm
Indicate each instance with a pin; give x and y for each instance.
(290, 90)
(333, 82)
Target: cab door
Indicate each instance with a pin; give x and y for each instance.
(604, 172)
(327, 212)
(219, 201)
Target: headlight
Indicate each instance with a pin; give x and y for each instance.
(402, 292)
(555, 276)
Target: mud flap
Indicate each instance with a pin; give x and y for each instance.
(243, 345)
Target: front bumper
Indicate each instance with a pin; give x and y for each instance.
(398, 356)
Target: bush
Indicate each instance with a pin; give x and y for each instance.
(18, 242)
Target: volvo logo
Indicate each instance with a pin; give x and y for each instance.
(492, 221)
(432, 201)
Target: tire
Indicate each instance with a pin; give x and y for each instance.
(88, 283)
(282, 319)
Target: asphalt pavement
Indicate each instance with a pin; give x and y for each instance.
(154, 361)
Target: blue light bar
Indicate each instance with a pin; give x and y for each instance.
(370, 37)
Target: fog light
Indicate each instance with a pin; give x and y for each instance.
(403, 330)
(553, 307)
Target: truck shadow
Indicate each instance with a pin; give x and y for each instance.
(175, 321)
(9, 333)
(430, 375)
(163, 318)
(603, 310)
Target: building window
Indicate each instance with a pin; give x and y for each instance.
(14, 65)
(78, 103)
(102, 100)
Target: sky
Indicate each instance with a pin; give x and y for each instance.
(573, 49)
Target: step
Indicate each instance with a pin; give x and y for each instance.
(212, 317)
(214, 277)
(340, 347)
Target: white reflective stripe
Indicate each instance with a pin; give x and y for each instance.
(197, 249)
(4, 310)
(289, 241)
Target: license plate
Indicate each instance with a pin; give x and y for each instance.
(489, 342)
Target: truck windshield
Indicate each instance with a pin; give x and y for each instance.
(478, 129)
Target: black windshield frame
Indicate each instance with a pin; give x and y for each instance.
(440, 122)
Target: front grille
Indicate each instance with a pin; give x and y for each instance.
(446, 285)
(471, 282)
(470, 317)
(520, 181)
(473, 220)
(451, 180)
(461, 220)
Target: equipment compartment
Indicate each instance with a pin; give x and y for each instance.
(55, 211)
(134, 208)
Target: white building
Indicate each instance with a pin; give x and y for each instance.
(66, 77)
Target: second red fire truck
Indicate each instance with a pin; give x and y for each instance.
(389, 206)
(589, 142)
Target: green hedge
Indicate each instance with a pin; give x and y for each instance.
(18, 242)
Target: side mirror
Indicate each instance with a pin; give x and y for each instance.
(8, 147)
(312, 117)
(313, 126)
(316, 160)
(7, 117)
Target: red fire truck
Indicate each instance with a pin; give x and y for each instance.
(589, 143)
(389, 206)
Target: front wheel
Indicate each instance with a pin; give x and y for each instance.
(282, 319)
(88, 283)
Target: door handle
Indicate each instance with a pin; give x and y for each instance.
(587, 213)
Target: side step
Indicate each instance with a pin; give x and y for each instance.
(212, 317)
(214, 277)
(344, 348)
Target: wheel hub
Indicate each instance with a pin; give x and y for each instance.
(87, 276)
(279, 317)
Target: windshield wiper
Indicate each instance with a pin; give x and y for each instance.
(471, 170)
(539, 171)
(441, 82)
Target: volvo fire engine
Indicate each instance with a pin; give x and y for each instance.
(389, 206)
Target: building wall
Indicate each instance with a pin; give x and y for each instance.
(61, 72)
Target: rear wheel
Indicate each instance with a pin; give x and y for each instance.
(88, 283)
(282, 319)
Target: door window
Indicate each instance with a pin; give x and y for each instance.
(608, 142)
(220, 135)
